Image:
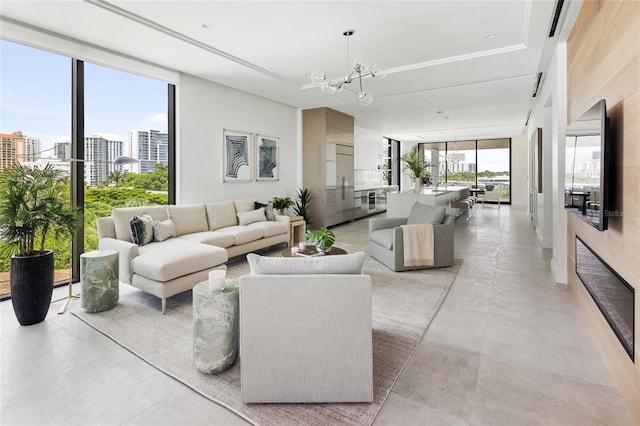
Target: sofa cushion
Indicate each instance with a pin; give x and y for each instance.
(422, 213)
(213, 238)
(243, 234)
(163, 230)
(141, 228)
(244, 205)
(175, 258)
(339, 264)
(384, 237)
(123, 215)
(221, 215)
(252, 216)
(271, 228)
(189, 218)
(268, 209)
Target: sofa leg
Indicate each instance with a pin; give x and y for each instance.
(164, 305)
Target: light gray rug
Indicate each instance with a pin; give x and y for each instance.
(403, 306)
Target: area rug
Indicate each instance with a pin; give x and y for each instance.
(403, 306)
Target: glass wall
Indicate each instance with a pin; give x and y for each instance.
(128, 143)
(125, 144)
(473, 163)
(35, 115)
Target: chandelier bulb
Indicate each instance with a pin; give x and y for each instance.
(317, 77)
(360, 65)
(329, 87)
(378, 71)
(365, 98)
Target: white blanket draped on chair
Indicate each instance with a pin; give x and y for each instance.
(418, 244)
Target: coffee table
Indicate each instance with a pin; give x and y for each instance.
(311, 249)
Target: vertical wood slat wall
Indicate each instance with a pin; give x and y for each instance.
(603, 60)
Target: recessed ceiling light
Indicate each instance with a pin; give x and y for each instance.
(491, 35)
(207, 25)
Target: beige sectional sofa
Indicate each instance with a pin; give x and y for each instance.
(205, 237)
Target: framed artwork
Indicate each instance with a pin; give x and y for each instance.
(237, 156)
(267, 158)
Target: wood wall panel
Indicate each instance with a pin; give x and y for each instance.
(603, 62)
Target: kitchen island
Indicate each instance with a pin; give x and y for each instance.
(399, 203)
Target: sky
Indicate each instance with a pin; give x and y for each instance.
(35, 97)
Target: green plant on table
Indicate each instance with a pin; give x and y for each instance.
(282, 204)
(323, 238)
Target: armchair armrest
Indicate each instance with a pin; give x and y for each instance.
(442, 243)
(386, 222)
(127, 251)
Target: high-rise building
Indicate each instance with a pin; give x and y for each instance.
(150, 147)
(62, 150)
(99, 155)
(12, 149)
(32, 148)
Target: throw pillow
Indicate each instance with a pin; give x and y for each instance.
(141, 229)
(164, 230)
(245, 218)
(341, 264)
(268, 210)
(423, 213)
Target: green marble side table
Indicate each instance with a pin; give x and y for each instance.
(216, 334)
(99, 278)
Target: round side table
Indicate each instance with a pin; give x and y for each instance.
(99, 279)
(216, 334)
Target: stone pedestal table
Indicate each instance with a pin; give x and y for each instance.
(215, 327)
(99, 280)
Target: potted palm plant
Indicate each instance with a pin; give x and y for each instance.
(414, 164)
(302, 205)
(323, 239)
(31, 210)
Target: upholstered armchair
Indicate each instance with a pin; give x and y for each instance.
(433, 241)
(305, 330)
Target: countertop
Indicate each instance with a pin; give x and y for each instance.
(433, 191)
(372, 187)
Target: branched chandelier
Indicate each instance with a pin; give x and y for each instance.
(360, 71)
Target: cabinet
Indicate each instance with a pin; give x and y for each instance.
(328, 165)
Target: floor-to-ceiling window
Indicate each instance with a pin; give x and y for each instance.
(494, 165)
(125, 145)
(35, 116)
(476, 163)
(126, 152)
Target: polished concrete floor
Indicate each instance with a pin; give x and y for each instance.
(508, 347)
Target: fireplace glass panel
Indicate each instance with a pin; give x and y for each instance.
(613, 295)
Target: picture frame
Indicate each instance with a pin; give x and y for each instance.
(267, 155)
(237, 157)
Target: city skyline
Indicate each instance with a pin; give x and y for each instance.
(36, 98)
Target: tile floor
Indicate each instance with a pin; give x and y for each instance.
(508, 347)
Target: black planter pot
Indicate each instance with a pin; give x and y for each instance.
(32, 286)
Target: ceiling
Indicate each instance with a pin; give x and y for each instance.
(446, 79)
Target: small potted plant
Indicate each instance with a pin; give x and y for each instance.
(32, 208)
(323, 239)
(282, 204)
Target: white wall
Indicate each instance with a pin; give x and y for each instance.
(204, 110)
(550, 114)
(519, 175)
